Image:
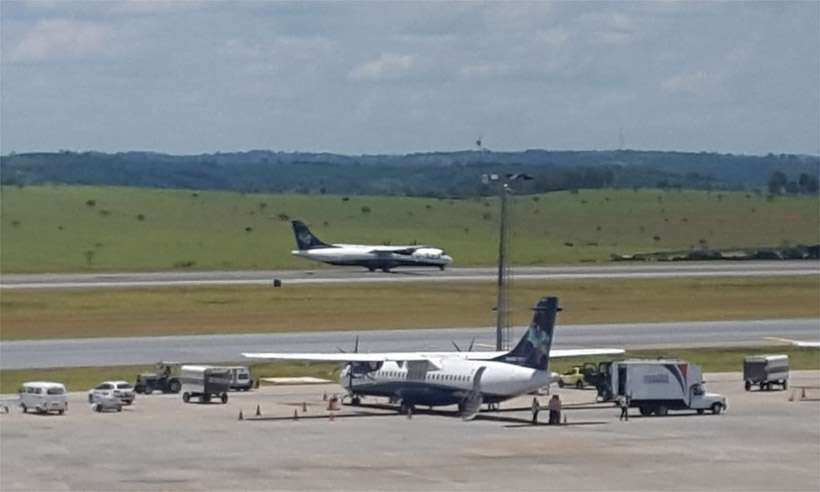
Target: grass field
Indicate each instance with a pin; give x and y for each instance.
(711, 359)
(184, 311)
(75, 228)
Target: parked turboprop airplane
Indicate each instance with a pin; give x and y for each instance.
(371, 257)
(467, 379)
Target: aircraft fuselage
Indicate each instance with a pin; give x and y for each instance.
(355, 255)
(424, 384)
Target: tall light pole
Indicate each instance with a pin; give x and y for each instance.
(502, 307)
(502, 321)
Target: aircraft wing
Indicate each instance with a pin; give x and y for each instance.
(554, 353)
(431, 357)
(558, 353)
(796, 343)
(399, 250)
(343, 357)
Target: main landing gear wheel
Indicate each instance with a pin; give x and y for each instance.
(579, 385)
(407, 408)
(355, 401)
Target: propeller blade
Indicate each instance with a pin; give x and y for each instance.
(470, 348)
(356, 346)
(458, 349)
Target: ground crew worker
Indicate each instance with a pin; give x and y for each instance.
(555, 410)
(623, 403)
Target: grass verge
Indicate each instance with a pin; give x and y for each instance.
(98, 229)
(710, 359)
(46, 314)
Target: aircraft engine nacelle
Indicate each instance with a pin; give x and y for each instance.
(428, 252)
(364, 367)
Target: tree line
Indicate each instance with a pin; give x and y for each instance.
(454, 174)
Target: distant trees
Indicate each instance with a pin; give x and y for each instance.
(433, 174)
(779, 184)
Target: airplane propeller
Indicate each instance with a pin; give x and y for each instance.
(355, 347)
(469, 349)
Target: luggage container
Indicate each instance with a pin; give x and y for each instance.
(766, 371)
(205, 382)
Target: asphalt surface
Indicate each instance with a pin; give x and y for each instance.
(764, 442)
(349, 275)
(219, 348)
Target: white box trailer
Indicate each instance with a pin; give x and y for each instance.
(659, 385)
(765, 371)
(204, 382)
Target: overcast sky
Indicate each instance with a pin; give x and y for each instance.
(397, 77)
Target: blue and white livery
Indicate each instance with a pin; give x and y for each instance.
(371, 257)
(466, 379)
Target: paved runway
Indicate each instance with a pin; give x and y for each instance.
(348, 275)
(217, 348)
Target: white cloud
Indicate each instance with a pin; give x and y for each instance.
(62, 39)
(610, 28)
(282, 48)
(485, 70)
(691, 82)
(386, 66)
(553, 38)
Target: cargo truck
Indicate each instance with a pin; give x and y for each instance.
(656, 386)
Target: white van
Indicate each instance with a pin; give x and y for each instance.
(43, 397)
(240, 378)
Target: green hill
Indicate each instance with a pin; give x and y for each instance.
(77, 228)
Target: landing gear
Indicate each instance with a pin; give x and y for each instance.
(386, 269)
(441, 267)
(493, 407)
(372, 269)
(355, 401)
(407, 408)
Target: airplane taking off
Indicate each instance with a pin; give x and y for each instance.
(466, 379)
(370, 257)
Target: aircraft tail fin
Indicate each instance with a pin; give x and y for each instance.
(306, 239)
(533, 350)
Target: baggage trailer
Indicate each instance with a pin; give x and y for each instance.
(765, 371)
(658, 385)
(204, 382)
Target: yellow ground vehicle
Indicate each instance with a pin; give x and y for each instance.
(573, 377)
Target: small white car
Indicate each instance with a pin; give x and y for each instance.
(43, 397)
(107, 390)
